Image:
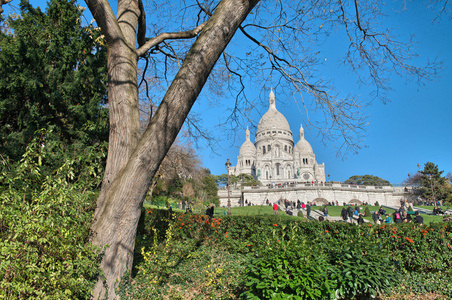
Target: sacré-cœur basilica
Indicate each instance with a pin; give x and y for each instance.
(290, 171)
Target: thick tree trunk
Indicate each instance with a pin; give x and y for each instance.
(122, 197)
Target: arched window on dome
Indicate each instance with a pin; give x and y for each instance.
(269, 148)
(285, 148)
(263, 150)
(277, 169)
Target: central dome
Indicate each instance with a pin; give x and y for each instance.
(273, 119)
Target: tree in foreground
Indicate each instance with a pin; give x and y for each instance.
(285, 39)
(283, 36)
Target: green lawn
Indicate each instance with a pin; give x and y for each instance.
(262, 210)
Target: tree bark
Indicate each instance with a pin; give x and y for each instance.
(131, 166)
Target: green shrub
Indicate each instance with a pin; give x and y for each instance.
(344, 261)
(44, 229)
(367, 212)
(300, 214)
(362, 270)
(289, 270)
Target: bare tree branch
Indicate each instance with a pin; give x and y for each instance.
(169, 35)
(3, 2)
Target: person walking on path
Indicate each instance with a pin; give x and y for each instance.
(308, 210)
(275, 208)
(325, 211)
(350, 214)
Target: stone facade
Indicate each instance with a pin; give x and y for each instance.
(274, 158)
(317, 193)
(290, 171)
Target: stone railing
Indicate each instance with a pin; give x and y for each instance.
(328, 186)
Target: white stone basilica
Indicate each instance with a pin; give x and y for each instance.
(273, 158)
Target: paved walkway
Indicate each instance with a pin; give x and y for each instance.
(315, 214)
(419, 209)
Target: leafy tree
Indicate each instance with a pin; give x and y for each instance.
(210, 187)
(207, 27)
(222, 180)
(53, 75)
(248, 180)
(367, 180)
(434, 187)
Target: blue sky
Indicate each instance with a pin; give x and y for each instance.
(415, 127)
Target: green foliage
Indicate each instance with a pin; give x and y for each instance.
(243, 179)
(210, 187)
(367, 180)
(281, 258)
(367, 212)
(53, 74)
(434, 187)
(362, 270)
(300, 213)
(248, 180)
(289, 270)
(420, 283)
(44, 227)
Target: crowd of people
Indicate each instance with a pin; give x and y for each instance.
(402, 215)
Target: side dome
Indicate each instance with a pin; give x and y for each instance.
(273, 119)
(303, 145)
(247, 148)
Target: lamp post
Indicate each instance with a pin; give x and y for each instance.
(329, 178)
(228, 164)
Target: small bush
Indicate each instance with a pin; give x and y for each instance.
(300, 213)
(289, 270)
(367, 212)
